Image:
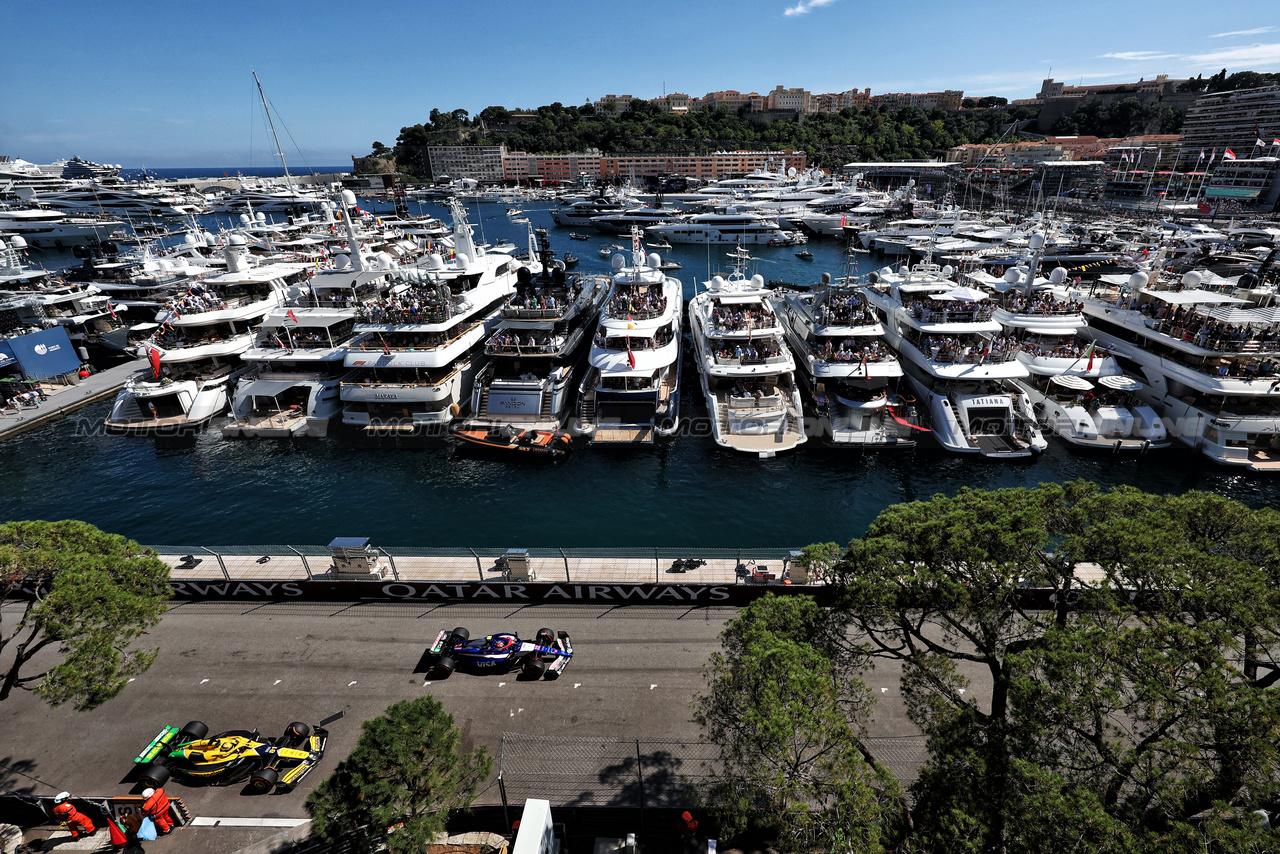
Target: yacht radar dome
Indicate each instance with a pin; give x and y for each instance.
(757, 281)
(618, 262)
(717, 283)
(1139, 280)
(654, 260)
(1058, 275)
(1036, 241)
(18, 242)
(464, 260)
(1192, 279)
(826, 278)
(349, 198)
(947, 270)
(1012, 275)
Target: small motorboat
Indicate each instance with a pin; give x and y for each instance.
(514, 212)
(605, 251)
(669, 265)
(573, 235)
(523, 220)
(804, 255)
(570, 260)
(661, 244)
(510, 439)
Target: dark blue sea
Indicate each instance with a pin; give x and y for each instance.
(687, 493)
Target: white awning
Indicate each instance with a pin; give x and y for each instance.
(1050, 330)
(1121, 383)
(267, 388)
(1072, 382)
(740, 299)
(1193, 297)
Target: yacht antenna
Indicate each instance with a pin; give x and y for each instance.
(288, 180)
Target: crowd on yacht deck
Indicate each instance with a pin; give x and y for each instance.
(850, 350)
(753, 352)
(929, 310)
(648, 304)
(1043, 304)
(844, 309)
(740, 319)
(952, 350)
(418, 304)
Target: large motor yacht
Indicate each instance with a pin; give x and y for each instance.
(195, 354)
(850, 373)
(631, 392)
(46, 229)
(417, 351)
(958, 363)
(1209, 361)
(1077, 389)
(747, 372)
(733, 226)
(537, 351)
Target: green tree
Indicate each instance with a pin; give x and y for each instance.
(397, 786)
(88, 596)
(787, 714)
(1122, 715)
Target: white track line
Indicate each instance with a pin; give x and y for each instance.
(212, 821)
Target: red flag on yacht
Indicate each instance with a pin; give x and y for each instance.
(1092, 347)
(153, 355)
(111, 311)
(293, 316)
(1228, 154)
(631, 357)
(385, 348)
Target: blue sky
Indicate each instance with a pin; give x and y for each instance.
(168, 84)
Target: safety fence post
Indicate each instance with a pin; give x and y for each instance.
(479, 568)
(640, 782)
(565, 558)
(305, 563)
(502, 790)
(221, 562)
(395, 572)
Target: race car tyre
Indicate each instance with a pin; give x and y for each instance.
(153, 776)
(264, 780)
(534, 668)
(461, 634)
(444, 667)
(296, 733)
(545, 637)
(193, 731)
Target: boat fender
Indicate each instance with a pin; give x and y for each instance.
(454, 409)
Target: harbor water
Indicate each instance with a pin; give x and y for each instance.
(683, 493)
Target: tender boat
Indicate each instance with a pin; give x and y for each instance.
(506, 438)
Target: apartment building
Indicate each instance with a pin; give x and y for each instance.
(520, 166)
(481, 162)
(948, 99)
(1235, 120)
(796, 100)
(614, 104)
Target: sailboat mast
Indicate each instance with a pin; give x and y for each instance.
(279, 151)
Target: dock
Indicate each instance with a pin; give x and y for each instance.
(63, 399)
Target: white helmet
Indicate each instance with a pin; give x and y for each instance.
(146, 793)
(61, 796)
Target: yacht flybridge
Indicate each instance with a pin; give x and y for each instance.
(631, 392)
(747, 372)
(959, 364)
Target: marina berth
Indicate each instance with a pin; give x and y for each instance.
(631, 392)
(744, 366)
(957, 360)
(418, 349)
(195, 354)
(1208, 360)
(849, 373)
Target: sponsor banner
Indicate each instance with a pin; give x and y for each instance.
(44, 354)
(528, 593)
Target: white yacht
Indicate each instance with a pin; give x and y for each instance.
(417, 352)
(582, 212)
(621, 222)
(195, 354)
(1209, 361)
(50, 229)
(1077, 389)
(133, 201)
(747, 372)
(537, 351)
(850, 373)
(733, 226)
(631, 392)
(956, 360)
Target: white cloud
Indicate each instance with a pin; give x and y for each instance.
(1138, 55)
(805, 6)
(1253, 32)
(1251, 56)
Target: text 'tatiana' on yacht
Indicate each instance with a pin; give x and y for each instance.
(747, 372)
(850, 373)
(631, 392)
(957, 361)
(195, 356)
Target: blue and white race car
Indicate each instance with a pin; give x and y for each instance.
(545, 657)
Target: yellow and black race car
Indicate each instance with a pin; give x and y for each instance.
(231, 757)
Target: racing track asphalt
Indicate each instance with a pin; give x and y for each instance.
(234, 666)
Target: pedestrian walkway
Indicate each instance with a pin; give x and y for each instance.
(63, 399)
